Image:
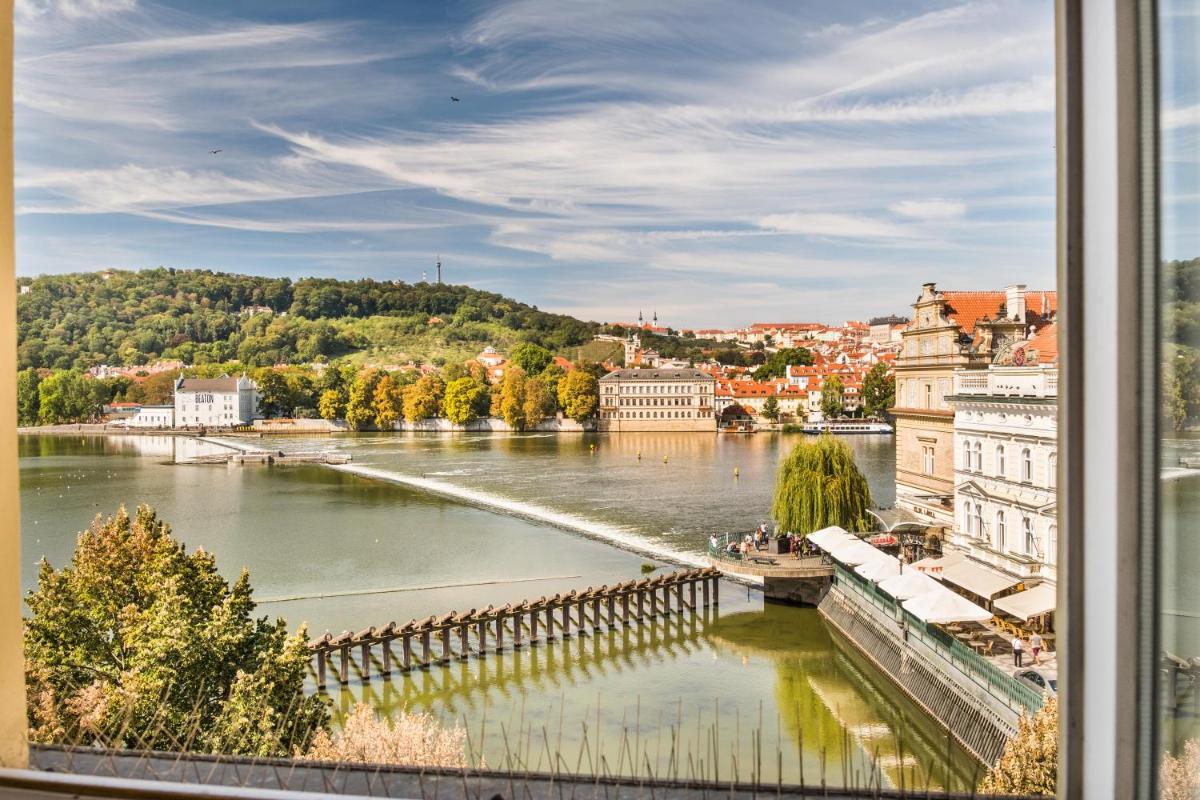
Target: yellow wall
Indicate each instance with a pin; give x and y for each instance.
(12, 676)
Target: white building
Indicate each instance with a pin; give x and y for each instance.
(657, 400)
(1006, 460)
(151, 417)
(215, 402)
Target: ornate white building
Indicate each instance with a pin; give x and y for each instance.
(1006, 460)
(657, 400)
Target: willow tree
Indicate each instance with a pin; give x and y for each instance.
(819, 485)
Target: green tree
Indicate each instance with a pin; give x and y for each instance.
(579, 395)
(1174, 405)
(819, 485)
(512, 397)
(530, 357)
(833, 398)
(771, 409)
(28, 400)
(776, 365)
(331, 405)
(276, 397)
(1028, 764)
(423, 399)
(879, 391)
(138, 644)
(359, 412)
(387, 402)
(466, 399)
(65, 397)
(538, 403)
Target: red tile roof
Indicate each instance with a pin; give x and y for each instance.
(968, 308)
(1045, 341)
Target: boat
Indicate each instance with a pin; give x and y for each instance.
(844, 426)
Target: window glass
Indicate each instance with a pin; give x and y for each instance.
(1179, 537)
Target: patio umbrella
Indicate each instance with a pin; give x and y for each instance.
(908, 584)
(857, 552)
(880, 568)
(827, 538)
(942, 605)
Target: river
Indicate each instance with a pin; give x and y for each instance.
(428, 523)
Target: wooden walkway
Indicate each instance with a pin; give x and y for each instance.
(460, 635)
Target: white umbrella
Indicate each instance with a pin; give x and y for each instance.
(827, 538)
(857, 552)
(908, 584)
(880, 568)
(943, 605)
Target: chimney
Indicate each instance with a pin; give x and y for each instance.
(1015, 301)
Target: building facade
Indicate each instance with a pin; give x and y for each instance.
(1006, 460)
(152, 417)
(949, 331)
(215, 402)
(657, 400)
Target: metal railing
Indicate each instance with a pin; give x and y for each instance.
(974, 667)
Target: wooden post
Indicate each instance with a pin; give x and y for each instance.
(344, 666)
(321, 656)
(641, 604)
(426, 646)
(566, 619)
(446, 649)
(517, 619)
(612, 610)
(705, 590)
(499, 632)
(387, 657)
(482, 633)
(692, 594)
(596, 613)
(653, 601)
(549, 622)
(406, 650)
(464, 641)
(716, 584)
(679, 597)
(365, 650)
(625, 606)
(581, 615)
(533, 626)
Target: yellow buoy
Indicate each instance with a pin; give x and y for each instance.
(664, 459)
(639, 455)
(737, 473)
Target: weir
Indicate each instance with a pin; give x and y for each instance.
(460, 635)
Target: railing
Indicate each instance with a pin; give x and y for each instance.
(1004, 381)
(973, 666)
(720, 549)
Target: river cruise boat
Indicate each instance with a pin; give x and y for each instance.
(843, 426)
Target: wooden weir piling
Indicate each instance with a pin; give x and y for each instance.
(475, 633)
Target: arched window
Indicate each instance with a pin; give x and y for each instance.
(1001, 532)
(1000, 465)
(979, 456)
(1052, 470)
(966, 455)
(1027, 537)
(979, 520)
(1051, 555)
(1026, 465)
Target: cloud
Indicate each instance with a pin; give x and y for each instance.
(846, 226)
(25, 10)
(933, 208)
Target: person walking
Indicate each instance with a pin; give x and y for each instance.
(1018, 647)
(1035, 647)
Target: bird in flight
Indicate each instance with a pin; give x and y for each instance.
(453, 99)
(213, 152)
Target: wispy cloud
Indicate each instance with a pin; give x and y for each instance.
(692, 142)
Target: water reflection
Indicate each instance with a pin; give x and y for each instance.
(761, 692)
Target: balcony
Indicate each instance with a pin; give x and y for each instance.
(1032, 382)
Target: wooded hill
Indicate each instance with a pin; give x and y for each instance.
(79, 320)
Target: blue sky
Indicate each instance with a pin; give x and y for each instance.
(721, 161)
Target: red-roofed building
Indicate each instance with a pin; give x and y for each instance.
(950, 331)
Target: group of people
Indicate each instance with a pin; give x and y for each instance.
(1035, 648)
(758, 540)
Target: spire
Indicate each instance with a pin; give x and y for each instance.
(655, 320)
(640, 318)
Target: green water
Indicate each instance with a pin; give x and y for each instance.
(759, 689)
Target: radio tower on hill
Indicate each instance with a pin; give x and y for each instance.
(439, 269)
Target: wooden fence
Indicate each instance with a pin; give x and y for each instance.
(460, 635)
